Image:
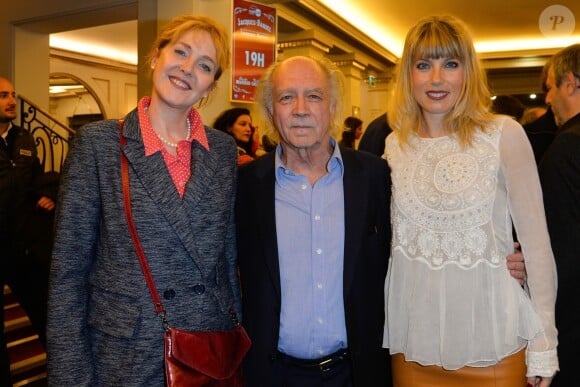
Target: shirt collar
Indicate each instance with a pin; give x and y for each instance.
(5, 134)
(150, 139)
(334, 163)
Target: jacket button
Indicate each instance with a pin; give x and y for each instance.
(169, 294)
(199, 289)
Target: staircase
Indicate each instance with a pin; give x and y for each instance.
(27, 355)
(26, 352)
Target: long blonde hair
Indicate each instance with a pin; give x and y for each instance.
(433, 38)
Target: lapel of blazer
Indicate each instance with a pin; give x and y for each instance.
(266, 212)
(156, 181)
(203, 165)
(355, 199)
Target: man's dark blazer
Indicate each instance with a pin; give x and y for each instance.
(560, 178)
(373, 139)
(541, 133)
(366, 252)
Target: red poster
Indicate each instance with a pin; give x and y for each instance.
(254, 47)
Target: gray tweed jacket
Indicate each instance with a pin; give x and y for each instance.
(102, 327)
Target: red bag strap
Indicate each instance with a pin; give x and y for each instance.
(138, 248)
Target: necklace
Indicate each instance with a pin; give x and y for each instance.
(172, 144)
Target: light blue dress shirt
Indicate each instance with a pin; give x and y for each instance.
(310, 230)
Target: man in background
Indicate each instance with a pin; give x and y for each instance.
(26, 206)
(559, 171)
(373, 138)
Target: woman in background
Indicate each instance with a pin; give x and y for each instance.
(454, 316)
(352, 132)
(237, 122)
(102, 326)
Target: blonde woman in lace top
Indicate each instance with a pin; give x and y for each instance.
(454, 316)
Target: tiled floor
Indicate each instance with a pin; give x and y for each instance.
(27, 355)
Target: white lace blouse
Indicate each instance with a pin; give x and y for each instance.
(450, 300)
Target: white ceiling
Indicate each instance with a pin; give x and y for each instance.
(116, 41)
(490, 21)
(387, 21)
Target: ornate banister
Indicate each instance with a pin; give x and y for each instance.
(52, 136)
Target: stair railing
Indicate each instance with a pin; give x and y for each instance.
(52, 136)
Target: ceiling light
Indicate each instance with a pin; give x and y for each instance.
(94, 50)
(525, 44)
(59, 89)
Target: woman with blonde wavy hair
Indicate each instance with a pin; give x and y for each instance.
(460, 175)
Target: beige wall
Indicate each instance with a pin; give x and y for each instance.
(27, 29)
(26, 25)
(114, 85)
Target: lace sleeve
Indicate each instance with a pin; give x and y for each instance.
(527, 211)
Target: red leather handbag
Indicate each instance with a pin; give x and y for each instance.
(192, 359)
(205, 358)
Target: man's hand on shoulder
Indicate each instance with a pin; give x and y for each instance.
(516, 264)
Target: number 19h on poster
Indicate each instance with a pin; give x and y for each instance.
(255, 59)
